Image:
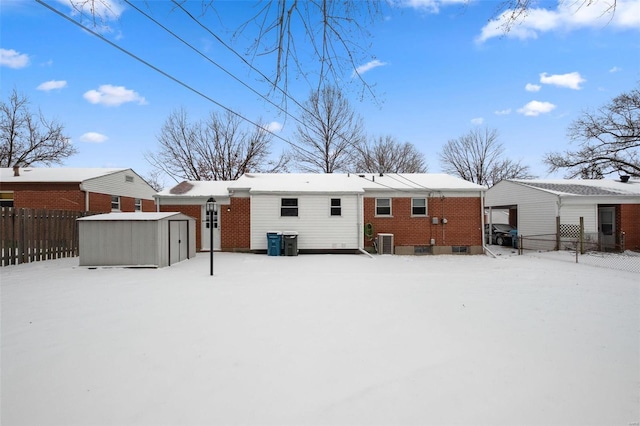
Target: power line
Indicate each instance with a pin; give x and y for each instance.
(169, 76)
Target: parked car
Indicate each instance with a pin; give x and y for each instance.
(501, 234)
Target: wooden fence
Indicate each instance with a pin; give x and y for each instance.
(29, 235)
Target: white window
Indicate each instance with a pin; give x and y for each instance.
(418, 207)
(383, 206)
(138, 205)
(115, 203)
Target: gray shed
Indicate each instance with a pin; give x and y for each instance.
(136, 239)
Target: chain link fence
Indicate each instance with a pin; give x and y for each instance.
(572, 244)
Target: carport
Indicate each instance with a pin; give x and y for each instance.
(136, 239)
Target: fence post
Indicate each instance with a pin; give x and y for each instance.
(581, 235)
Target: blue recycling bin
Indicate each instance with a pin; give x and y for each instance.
(274, 243)
(514, 238)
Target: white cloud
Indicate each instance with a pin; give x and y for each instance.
(615, 69)
(113, 96)
(477, 121)
(431, 6)
(503, 112)
(52, 85)
(571, 80)
(106, 10)
(274, 127)
(568, 16)
(12, 59)
(535, 108)
(368, 67)
(532, 87)
(93, 137)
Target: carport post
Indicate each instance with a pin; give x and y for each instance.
(210, 207)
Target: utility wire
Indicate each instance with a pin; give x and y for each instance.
(169, 76)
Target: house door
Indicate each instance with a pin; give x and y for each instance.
(178, 241)
(206, 229)
(607, 227)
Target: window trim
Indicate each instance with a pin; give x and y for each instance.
(413, 207)
(137, 204)
(335, 208)
(7, 201)
(289, 208)
(377, 214)
(115, 200)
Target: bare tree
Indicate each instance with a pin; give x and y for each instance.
(608, 139)
(386, 155)
(27, 139)
(218, 148)
(478, 157)
(335, 36)
(328, 132)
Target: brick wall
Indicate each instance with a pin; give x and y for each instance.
(630, 225)
(67, 196)
(50, 197)
(463, 227)
(236, 225)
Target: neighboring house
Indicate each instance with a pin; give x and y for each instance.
(417, 213)
(610, 210)
(79, 189)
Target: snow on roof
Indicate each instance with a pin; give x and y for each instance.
(131, 216)
(298, 182)
(584, 187)
(194, 188)
(420, 181)
(55, 174)
(350, 182)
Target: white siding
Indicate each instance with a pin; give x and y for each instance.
(316, 228)
(117, 184)
(537, 212)
(571, 214)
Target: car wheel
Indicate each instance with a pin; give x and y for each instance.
(499, 240)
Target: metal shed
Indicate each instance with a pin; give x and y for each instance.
(136, 239)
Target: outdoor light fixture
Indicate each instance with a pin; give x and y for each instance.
(210, 207)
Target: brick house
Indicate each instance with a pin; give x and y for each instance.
(79, 189)
(415, 213)
(610, 210)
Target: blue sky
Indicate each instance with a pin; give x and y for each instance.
(439, 69)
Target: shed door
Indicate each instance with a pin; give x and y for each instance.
(178, 241)
(607, 226)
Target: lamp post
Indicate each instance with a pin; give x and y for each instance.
(210, 208)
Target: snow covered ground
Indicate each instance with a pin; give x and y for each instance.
(321, 339)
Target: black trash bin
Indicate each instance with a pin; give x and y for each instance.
(290, 240)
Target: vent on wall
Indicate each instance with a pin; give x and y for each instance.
(385, 243)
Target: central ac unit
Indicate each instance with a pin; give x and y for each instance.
(385, 243)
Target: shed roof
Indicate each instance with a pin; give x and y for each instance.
(584, 187)
(55, 174)
(139, 216)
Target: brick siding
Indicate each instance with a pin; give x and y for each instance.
(630, 225)
(236, 225)
(67, 196)
(463, 227)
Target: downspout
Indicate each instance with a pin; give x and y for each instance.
(360, 226)
(86, 197)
